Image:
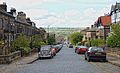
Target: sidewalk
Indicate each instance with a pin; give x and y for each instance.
(113, 59)
(6, 68)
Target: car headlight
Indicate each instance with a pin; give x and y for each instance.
(39, 53)
(50, 52)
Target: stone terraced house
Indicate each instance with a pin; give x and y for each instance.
(12, 24)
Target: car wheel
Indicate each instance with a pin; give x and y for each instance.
(85, 58)
(55, 54)
(40, 58)
(51, 56)
(88, 59)
(77, 52)
(104, 60)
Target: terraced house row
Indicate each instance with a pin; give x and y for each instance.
(12, 24)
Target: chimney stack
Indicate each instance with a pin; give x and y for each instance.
(22, 17)
(13, 11)
(3, 7)
(92, 26)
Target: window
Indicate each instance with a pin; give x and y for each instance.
(97, 49)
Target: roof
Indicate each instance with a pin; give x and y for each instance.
(114, 7)
(103, 21)
(92, 30)
(85, 29)
(22, 22)
(106, 20)
(118, 6)
(6, 13)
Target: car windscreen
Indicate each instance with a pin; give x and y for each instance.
(45, 48)
(97, 50)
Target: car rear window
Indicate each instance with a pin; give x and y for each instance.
(97, 50)
(82, 47)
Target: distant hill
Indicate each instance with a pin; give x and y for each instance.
(63, 29)
(62, 32)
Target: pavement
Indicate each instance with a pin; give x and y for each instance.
(6, 68)
(113, 59)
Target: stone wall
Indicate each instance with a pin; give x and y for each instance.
(6, 59)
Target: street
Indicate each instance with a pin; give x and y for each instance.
(67, 61)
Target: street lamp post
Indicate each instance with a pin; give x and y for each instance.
(48, 33)
(32, 35)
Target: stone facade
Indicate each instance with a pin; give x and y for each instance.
(12, 24)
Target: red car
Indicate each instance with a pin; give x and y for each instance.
(81, 49)
(54, 50)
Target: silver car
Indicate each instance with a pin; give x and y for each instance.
(45, 52)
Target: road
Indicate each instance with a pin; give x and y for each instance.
(66, 61)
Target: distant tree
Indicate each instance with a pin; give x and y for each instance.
(76, 37)
(51, 40)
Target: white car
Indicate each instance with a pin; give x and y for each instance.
(45, 52)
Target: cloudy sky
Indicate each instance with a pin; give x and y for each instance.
(62, 13)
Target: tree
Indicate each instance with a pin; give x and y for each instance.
(51, 40)
(76, 37)
(37, 41)
(114, 39)
(22, 42)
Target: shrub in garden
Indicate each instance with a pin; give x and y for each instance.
(22, 42)
(97, 42)
(114, 39)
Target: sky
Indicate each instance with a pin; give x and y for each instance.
(62, 13)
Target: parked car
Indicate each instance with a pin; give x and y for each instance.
(70, 46)
(57, 48)
(45, 52)
(95, 53)
(61, 45)
(81, 49)
(54, 51)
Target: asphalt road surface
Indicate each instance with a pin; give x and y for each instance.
(67, 61)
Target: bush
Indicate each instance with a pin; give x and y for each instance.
(97, 42)
(21, 41)
(26, 49)
(114, 39)
(37, 41)
(38, 44)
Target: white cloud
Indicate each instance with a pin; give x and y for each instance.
(83, 19)
(35, 13)
(68, 18)
(71, 13)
